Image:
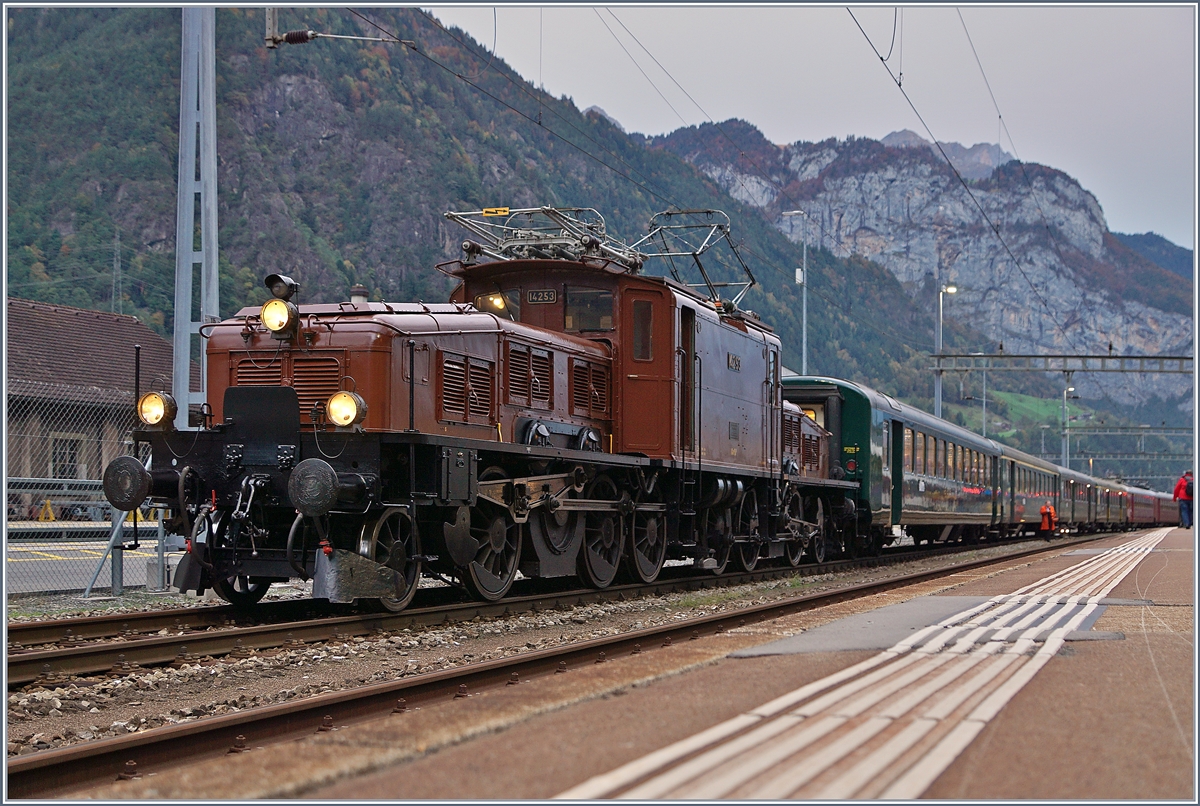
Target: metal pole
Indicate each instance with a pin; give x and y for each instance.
(1064, 428)
(937, 373)
(118, 570)
(114, 538)
(197, 178)
(985, 403)
(804, 314)
(162, 553)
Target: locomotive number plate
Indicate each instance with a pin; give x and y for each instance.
(541, 296)
(734, 362)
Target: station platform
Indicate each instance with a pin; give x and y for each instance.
(1068, 676)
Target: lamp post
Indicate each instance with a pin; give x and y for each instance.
(802, 281)
(937, 373)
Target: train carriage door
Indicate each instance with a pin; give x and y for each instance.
(772, 412)
(897, 476)
(687, 381)
(647, 361)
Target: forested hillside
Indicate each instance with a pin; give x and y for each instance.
(336, 160)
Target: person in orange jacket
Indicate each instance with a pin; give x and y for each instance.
(1049, 521)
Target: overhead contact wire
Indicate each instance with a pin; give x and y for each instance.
(583, 151)
(539, 98)
(1020, 163)
(994, 227)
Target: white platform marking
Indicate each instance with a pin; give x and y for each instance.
(901, 717)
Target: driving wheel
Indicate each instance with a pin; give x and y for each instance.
(647, 546)
(602, 536)
(817, 541)
(392, 541)
(240, 590)
(491, 572)
(718, 535)
(747, 525)
(794, 548)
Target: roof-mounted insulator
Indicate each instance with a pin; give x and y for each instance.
(299, 37)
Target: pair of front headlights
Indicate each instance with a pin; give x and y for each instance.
(344, 409)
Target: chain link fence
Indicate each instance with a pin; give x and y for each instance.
(59, 527)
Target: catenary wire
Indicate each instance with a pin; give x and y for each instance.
(638, 66)
(993, 226)
(763, 260)
(763, 174)
(539, 98)
(1020, 163)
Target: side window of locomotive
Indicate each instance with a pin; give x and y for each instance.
(643, 326)
(908, 449)
(920, 466)
(941, 458)
(502, 303)
(588, 309)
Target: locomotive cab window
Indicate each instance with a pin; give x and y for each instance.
(588, 309)
(502, 303)
(643, 321)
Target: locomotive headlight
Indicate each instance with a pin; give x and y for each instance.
(157, 409)
(345, 409)
(280, 317)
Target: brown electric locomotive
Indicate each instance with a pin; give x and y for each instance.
(564, 414)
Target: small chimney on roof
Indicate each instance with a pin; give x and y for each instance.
(358, 294)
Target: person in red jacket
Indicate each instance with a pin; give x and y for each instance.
(1183, 494)
(1049, 521)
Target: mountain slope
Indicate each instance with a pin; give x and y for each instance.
(1073, 286)
(1159, 250)
(335, 162)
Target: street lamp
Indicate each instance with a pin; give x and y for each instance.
(937, 373)
(1066, 445)
(802, 281)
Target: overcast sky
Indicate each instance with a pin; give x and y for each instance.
(1106, 94)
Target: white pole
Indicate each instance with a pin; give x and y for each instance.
(985, 403)
(804, 314)
(937, 373)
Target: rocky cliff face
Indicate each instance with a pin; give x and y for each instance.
(1050, 278)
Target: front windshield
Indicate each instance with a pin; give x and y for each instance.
(588, 309)
(502, 303)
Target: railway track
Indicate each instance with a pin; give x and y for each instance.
(51, 651)
(54, 772)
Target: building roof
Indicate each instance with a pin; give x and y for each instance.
(80, 355)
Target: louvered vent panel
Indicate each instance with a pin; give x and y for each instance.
(480, 397)
(518, 372)
(315, 379)
(541, 378)
(261, 371)
(580, 383)
(599, 393)
(454, 387)
(812, 454)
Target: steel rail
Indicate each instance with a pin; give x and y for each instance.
(50, 773)
(144, 647)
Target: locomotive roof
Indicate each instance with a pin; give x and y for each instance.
(598, 267)
(433, 317)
